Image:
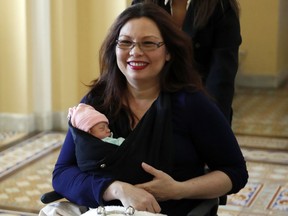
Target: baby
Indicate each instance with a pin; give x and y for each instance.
(86, 118)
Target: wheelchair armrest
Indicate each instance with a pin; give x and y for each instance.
(50, 197)
(208, 207)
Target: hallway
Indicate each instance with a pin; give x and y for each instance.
(260, 124)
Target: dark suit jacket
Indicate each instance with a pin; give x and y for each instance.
(216, 47)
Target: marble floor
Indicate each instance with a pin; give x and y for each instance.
(260, 124)
(261, 112)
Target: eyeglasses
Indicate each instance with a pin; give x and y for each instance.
(144, 45)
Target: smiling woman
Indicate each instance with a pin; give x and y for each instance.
(154, 99)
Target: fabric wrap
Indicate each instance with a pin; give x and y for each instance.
(150, 142)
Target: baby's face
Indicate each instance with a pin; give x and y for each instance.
(100, 130)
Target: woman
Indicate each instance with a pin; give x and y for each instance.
(153, 97)
(213, 26)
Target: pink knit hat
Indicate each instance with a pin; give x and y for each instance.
(84, 117)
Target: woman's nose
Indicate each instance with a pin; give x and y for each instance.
(136, 50)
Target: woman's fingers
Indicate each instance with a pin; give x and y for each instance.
(150, 169)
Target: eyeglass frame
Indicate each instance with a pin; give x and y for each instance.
(140, 45)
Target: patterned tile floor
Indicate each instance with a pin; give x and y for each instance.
(262, 112)
(265, 194)
(260, 123)
(26, 173)
(8, 137)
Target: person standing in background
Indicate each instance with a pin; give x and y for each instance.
(214, 28)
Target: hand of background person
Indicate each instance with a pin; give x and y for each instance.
(162, 187)
(129, 195)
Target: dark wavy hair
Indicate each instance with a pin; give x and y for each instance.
(108, 91)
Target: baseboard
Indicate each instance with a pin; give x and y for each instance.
(17, 122)
(29, 123)
(261, 81)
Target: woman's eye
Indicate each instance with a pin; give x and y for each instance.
(148, 44)
(125, 43)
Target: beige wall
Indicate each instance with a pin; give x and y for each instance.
(263, 57)
(15, 95)
(77, 29)
(76, 40)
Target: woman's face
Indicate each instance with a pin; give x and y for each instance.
(141, 63)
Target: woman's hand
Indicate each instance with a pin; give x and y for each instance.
(129, 195)
(162, 187)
